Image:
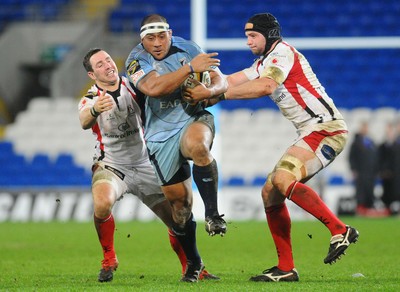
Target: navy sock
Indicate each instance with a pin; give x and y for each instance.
(187, 238)
(206, 179)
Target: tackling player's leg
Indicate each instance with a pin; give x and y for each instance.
(104, 184)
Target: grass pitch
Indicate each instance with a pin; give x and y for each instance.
(66, 257)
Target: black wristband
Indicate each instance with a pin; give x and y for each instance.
(93, 112)
(222, 96)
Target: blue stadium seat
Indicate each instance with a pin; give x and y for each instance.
(258, 181)
(67, 173)
(13, 170)
(41, 160)
(6, 149)
(236, 181)
(336, 180)
(39, 171)
(64, 160)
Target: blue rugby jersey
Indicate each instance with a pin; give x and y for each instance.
(164, 116)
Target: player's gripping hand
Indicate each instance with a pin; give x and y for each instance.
(205, 62)
(197, 93)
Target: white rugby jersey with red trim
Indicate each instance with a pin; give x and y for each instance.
(119, 131)
(300, 96)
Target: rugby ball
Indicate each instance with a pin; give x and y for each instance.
(203, 77)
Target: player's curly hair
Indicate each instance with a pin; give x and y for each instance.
(86, 60)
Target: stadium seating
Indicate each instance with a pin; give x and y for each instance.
(47, 147)
(128, 15)
(347, 75)
(30, 10)
(305, 19)
(45, 144)
(253, 140)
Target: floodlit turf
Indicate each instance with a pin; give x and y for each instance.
(66, 257)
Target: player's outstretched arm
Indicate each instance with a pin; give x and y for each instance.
(239, 87)
(89, 114)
